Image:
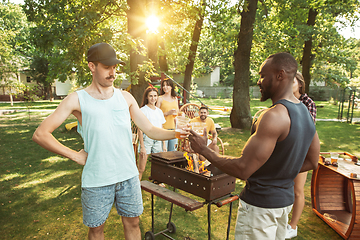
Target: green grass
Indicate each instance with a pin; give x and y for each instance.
(40, 191)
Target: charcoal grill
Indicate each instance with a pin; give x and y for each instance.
(169, 168)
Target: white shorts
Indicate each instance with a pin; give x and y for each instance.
(261, 223)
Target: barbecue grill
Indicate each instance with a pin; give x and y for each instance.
(170, 168)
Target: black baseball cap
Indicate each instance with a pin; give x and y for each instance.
(104, 53)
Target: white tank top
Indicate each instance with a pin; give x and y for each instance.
(106, 131)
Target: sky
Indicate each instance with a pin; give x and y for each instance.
(347, 32)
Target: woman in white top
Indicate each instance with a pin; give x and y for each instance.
(156, 117)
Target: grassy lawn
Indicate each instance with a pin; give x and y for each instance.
(40, 191)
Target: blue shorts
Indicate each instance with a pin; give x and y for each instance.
(98, 201)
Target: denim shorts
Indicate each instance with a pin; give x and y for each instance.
(98, 201)
(151, 145)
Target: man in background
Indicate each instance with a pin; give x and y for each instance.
(210, 127)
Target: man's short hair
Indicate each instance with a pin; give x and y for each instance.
(284, 61)
(204, 107)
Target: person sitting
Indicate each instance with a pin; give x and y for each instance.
(210, 127)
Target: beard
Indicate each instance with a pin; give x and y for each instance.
(265, 93)
(264, 96)
(203, 117)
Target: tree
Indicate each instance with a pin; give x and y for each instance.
(240, 116)
(218, 41)
(140, 68)
(13, 26)
(193, 47)
(285, 26)
(347, 8)
(39, 69)
(64, 30)
(306, 59)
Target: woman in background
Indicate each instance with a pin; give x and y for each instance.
(299, 202)
(156, 117)
(168, 103)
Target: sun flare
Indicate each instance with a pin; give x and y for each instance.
(152, 22)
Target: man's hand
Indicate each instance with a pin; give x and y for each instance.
(198, 142)
(81, 157)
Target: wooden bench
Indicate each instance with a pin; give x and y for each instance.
(187, 203)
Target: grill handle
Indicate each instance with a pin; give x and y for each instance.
(226, 201)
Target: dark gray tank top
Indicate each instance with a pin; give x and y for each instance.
(271, 186)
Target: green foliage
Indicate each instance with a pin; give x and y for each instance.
(31, 94)
(13, 27)
(281, 26)
(218, 41)
(65, 30)
(317, 94)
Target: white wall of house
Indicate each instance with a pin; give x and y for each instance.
(62, 88)
(20, 77)
(23, 78)
(210, 79)
(207, 80)
(317, 84)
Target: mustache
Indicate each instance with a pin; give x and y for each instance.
(110, 77)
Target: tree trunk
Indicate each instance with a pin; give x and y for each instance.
(136, 28)
(152, 46)
(162, 58)
(193, 48)
(11, 99)
(240, 116)
(307, 57)
(152, 37)
(51, 93)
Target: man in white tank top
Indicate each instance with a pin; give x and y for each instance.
(109, 164)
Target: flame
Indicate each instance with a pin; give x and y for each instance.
(190, 162)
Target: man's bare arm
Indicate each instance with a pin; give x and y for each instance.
(143, 123)
(273, 126)
(43, 134)
(312, 156)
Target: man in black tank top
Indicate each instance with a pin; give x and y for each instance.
(284, 142)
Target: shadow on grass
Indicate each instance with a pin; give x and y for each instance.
(40, 191)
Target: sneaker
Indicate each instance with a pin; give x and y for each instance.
(290, 232)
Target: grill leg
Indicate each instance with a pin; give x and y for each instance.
(209, 220)
(171, 209)
(229, 222)
(152, 212)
